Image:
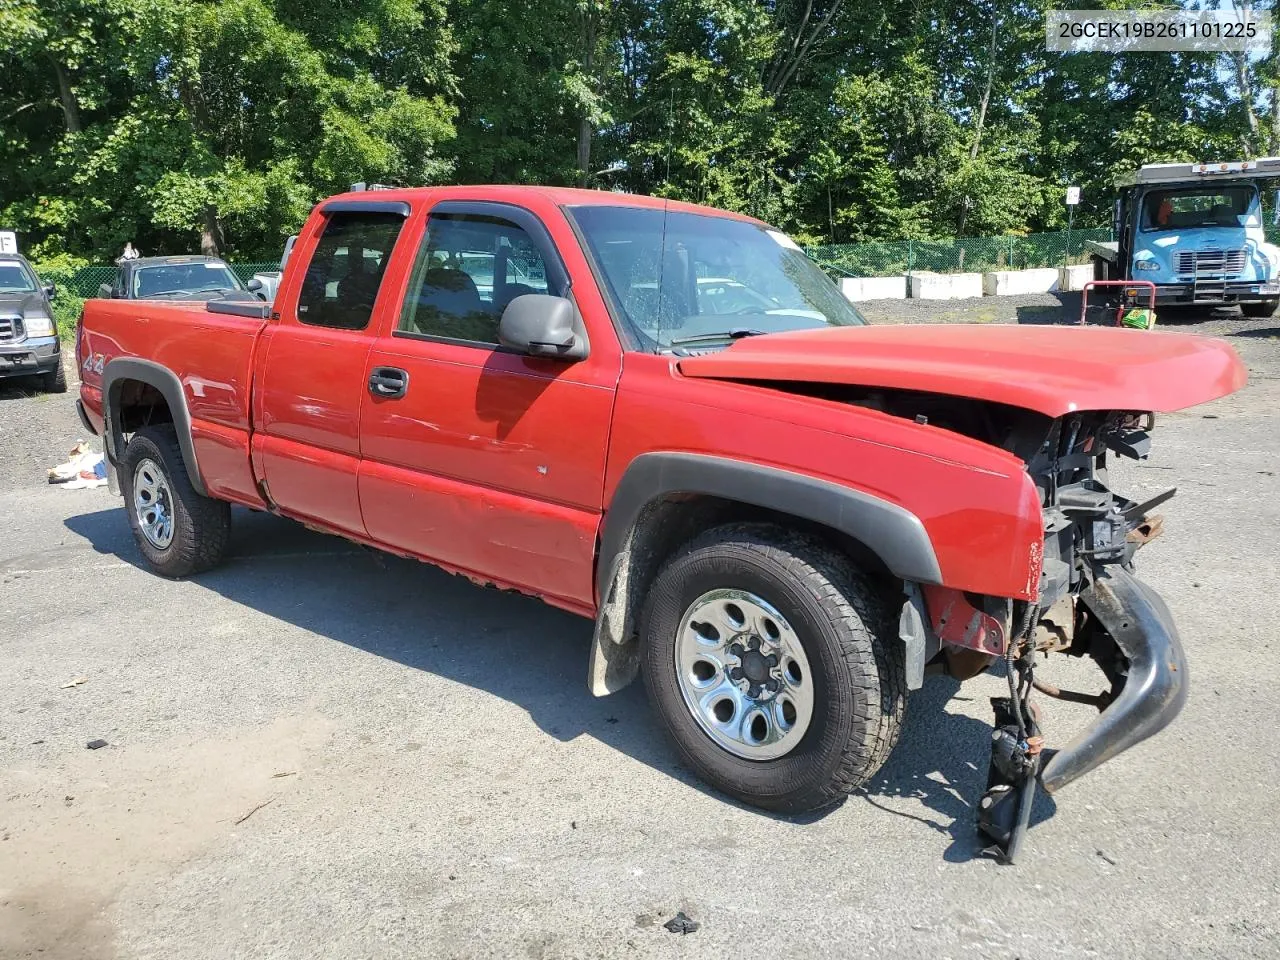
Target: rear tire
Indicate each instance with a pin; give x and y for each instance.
(55, 381)
(1260, 311)
(178, 531)
(835, 622)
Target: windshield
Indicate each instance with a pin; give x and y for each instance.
(1197, 207)
(678, 277)
(15, 278)
(169, 279)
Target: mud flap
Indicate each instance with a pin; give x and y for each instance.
(1155, 686)
(615, 656)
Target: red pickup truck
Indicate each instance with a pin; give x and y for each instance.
(667, 419)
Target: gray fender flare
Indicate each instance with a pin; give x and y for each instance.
(892, 532)
(164, 380)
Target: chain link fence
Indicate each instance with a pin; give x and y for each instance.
(963, 255)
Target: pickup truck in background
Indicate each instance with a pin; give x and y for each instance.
(29, 344)
(778, 515)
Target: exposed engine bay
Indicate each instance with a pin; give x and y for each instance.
(1088, 602)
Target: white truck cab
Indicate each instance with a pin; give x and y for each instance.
(1195, 230)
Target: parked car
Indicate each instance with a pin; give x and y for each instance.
(29, 344)
(780, 516)
(174, 278)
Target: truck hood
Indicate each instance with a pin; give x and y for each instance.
(29, 305)
(1052, 370)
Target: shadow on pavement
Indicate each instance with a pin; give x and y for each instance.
(1066, 311)
(19, 388)
(530, 654)
(941, 762)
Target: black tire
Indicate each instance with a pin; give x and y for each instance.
(846, 628)
(201, 525)
(55, 381)
(1260, 311)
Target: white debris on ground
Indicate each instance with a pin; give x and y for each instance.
(84, 468)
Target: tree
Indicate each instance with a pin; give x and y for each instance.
(218, 123)
(225, 122)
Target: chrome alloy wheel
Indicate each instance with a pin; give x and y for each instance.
(153, 504)
(744, 675)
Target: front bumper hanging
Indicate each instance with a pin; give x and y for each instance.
(1136, 645)
(1154, 677)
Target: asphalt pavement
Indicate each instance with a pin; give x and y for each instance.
(317, 751)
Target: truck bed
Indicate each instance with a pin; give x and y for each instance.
(211, 354)
(1106, 249)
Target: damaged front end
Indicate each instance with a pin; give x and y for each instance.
(1089, 603)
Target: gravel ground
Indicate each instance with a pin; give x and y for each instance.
(316, 751)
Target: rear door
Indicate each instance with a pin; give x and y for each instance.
(311, 381)
(481, 459)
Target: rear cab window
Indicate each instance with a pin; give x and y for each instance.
(345, 273)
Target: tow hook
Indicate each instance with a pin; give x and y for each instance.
(1004, 812)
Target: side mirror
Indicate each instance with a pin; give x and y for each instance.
(50, 290)
(104, 291)
(255, 284)
(541, 326)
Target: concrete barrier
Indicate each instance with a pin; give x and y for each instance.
(1006, 283)
(857, 289)
(1074, 278)
(927, 285)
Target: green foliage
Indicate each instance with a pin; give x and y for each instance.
(211, 123)
(177, 124)
(67, 302)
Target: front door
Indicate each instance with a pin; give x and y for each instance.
(311, 379)
(487, 461)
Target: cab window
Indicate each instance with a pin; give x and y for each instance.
(15, 278)
(1185, 209)
(345, 273)
(469, 268)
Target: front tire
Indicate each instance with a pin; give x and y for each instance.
(774, 666)
(1260, 311)
(178, 531)
(55, 381)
